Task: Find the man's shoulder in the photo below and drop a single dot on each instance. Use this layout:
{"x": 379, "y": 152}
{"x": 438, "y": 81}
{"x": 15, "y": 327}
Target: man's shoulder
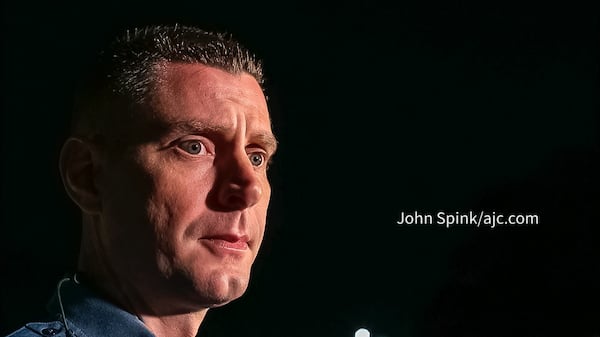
{"x": 52, "y": 328}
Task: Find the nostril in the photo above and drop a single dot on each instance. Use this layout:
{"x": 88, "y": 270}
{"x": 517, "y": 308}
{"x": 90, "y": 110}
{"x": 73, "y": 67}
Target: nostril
{"x": 241, "y": 197}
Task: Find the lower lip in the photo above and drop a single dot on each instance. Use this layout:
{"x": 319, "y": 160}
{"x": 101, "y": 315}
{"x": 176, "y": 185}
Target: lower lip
{"x": 237, "y": 246}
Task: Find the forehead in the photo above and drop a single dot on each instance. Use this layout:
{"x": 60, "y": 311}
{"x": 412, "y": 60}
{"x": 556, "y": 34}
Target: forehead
{"x": 197, "y": 89}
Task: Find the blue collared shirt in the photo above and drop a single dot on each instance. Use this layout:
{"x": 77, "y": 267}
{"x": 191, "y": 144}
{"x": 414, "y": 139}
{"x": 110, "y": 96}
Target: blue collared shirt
{"x": 86, "y": 315}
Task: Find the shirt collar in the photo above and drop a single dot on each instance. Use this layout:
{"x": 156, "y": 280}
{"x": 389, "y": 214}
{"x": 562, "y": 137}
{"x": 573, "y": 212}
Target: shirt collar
{"x": 89, "y": 315}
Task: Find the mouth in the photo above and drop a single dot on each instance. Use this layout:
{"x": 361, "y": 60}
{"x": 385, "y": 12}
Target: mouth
{"x": 228, "y": 242}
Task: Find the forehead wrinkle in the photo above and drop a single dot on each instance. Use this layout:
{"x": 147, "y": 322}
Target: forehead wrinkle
{"x": 196, "y": 81}
{"x": 222, "y": 97}
{"x": 213, "y": 103}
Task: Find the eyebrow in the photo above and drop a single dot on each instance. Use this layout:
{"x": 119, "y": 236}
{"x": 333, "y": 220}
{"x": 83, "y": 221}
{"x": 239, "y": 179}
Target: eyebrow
{"x": 265, "y": 139}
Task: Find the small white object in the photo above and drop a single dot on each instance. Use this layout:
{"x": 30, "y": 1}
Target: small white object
{"x": 362, "y": 332}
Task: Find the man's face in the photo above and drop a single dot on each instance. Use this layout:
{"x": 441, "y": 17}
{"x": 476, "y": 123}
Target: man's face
{"x": 184, "y": 207}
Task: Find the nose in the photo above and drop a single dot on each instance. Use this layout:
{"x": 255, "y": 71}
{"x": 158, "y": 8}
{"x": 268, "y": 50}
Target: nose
{"x": 240, "y": 185}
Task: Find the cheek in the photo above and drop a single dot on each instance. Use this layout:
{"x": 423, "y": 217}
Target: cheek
{"x": 124, "y": 194}
{"x": 174, "y": 203}
{"x": 179, "y": 194}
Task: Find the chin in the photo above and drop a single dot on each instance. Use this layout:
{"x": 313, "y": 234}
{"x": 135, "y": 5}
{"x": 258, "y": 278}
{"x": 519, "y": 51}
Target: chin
{"x": 220, "y": 289}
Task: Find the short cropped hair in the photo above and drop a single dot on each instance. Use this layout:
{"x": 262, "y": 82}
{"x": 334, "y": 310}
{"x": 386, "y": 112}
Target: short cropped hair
{"x": 120, "y": 81}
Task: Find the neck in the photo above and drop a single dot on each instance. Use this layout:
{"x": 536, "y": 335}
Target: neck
{"x": 181, "y": 325}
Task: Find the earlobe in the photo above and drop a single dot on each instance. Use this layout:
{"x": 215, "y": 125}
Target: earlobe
{"x": 78, "y": 169}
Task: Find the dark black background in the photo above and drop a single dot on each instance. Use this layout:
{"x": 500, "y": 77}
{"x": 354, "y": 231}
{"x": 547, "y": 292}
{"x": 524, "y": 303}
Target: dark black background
{"x": 379, "y": 109}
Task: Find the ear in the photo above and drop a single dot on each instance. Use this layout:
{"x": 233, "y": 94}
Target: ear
{"x": 79, "y": 167}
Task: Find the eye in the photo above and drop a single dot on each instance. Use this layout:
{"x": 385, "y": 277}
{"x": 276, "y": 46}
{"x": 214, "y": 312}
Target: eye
{"x": 256, "y": 158}
{"x": 192, "y": 147}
